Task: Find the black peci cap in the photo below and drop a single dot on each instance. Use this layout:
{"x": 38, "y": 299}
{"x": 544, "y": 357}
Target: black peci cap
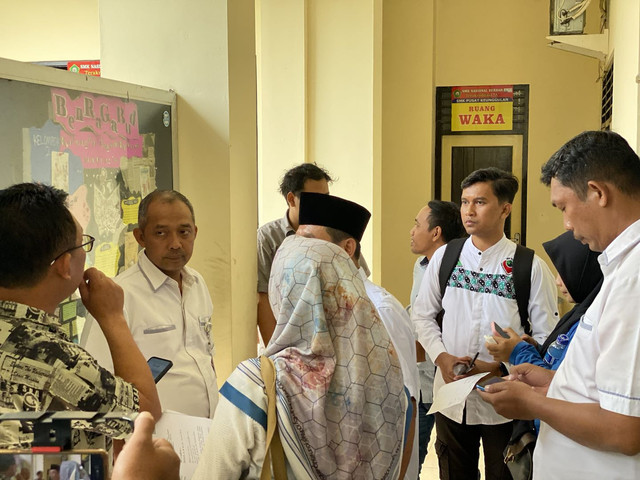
{"x": 334, "y": 212}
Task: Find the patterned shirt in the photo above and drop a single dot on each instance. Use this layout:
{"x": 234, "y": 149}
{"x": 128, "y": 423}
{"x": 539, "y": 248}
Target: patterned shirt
{"x": 40, "y": 369}
{"x": 479, "y": 291}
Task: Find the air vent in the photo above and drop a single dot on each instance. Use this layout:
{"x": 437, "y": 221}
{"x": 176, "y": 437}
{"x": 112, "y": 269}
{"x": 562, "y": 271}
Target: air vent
{"x": 607, "y": 98}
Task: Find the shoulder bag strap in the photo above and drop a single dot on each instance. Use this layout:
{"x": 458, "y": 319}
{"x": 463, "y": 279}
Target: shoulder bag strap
{"x": 273, "y": 447}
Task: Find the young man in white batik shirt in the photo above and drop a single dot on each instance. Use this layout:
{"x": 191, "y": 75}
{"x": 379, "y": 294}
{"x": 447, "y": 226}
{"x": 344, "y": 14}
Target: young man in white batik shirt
{"x": 479, "y": 291}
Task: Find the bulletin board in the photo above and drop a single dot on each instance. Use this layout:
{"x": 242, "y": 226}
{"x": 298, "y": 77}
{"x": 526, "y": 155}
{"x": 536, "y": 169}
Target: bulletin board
{"x": 106, "y": 143}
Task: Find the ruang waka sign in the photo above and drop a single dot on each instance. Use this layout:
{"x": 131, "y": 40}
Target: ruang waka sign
{"x": 482, "y": 108}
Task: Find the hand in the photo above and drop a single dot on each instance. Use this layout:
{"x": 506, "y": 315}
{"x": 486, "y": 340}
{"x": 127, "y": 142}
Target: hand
{"x": 530, "y": 340}
{"x": 512, "y": 399}
{"x": 482, "y": 367}
{"x": 537, "y": 377}
{"x": 445, "y": 363}
{"x": 101, "y": 295}
{"x": 501, "y": 350}
{"x": 144, "y": 458}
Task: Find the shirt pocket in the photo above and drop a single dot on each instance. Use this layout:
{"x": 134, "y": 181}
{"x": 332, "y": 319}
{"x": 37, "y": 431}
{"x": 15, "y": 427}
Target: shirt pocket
{"x": 585, "y": 327}
{"x": 155, "y": 329}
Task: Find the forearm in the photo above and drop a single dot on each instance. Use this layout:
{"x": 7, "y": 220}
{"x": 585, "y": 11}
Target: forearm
{"x": 590, "y": 425}
{"x": 266, "y": 319}
{"x": 130, "y": 365}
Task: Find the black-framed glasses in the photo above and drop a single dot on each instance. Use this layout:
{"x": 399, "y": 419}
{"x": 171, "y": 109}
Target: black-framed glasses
{"x": 86, "y": 245}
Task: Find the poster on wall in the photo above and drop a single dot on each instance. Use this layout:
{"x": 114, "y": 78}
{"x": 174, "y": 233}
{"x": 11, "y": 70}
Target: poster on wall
{"x": 94, "y": 147}
{"x": 482, "y": 108}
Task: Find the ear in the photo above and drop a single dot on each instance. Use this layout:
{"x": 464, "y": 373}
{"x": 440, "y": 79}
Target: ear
{"x": 62, "y": 266}
{"x": 291, "y": 199}
{"x": 599, "y": 192}
{"x": 195, "y": 231}
{"x": 139, "y": 236}
{"x": 349, "y": 245}
{"x": 437, "y": 233}
{"x": 506, "y": 209}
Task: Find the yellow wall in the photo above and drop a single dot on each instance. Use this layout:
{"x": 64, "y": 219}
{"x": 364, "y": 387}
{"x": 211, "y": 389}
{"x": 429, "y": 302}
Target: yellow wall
{"x": 42, "y": 30}
{"x": 207, "y": 54}
{"x": 316, "y": 96}
{"x": 624, "y": 46}
{"x": 406, "y": 180}
{"x": 281, "y": 66}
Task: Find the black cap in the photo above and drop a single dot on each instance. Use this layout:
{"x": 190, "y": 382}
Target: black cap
{"x": 334, "y": 212}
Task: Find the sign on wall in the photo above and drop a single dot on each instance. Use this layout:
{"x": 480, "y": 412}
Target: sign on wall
{"x": 482, "y": 108}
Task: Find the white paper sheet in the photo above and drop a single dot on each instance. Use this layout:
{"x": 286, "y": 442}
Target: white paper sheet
{"x": 187, "y": 434}
{"x": 454, "y": 393}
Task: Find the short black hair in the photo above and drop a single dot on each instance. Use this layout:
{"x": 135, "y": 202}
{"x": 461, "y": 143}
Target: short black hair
{"x": 168, "y": 196}
{"x": 35, "y": 227}
{"x": 446, "y": 215}
{"x": 293, "y": 180}
{"x": 504, "y": 184}
{"x": 594, "y": 155}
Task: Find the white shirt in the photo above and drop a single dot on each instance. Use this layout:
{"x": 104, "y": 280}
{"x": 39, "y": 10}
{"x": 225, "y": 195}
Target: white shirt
{"x": 167, "y": 324}
{"x": 601, "y": 366}
{"x": 426, "y": 369}
{"x": 400, "y": 330}
{"x": 483, "y": 293}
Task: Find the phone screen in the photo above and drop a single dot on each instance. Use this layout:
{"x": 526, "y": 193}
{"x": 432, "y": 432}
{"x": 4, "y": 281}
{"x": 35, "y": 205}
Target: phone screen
{"x": 499, "y": 330}
{"x": 159, "y": 366}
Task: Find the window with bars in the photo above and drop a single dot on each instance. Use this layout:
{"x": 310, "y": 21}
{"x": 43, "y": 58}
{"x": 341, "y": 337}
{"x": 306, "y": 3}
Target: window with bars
{"x": 607, "y": 98}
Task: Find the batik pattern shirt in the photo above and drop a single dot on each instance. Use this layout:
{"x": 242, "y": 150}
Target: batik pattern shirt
{"x": 40, "y": 370}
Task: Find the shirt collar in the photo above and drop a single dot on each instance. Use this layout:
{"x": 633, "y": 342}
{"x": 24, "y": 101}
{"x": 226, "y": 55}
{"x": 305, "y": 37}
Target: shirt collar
{"x": 621, "y": 244}
{"x": 25, "y": 312}
{"x": 157, "y": 278}
{"x": 496, "y": 246}
{"x": 286, "y": 225}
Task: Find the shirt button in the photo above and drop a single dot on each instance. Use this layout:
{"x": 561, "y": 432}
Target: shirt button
{"x": 479, "y": 253}
{"x": 481, "y": 269}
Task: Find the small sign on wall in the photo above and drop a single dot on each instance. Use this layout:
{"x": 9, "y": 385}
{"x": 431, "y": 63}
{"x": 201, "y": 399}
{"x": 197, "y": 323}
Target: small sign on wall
{"x": 86, "y": 67}
{"x": 482, "y": 108}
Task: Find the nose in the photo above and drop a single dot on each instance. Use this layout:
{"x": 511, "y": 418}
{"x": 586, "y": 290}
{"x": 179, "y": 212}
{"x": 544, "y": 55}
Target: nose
{"x": 567, "y": 225}
{"x": 469, "y": 210}
{"x": 412, "y": 230}
{"x": 558, "y": 281}
{"x": 174, "y": 241}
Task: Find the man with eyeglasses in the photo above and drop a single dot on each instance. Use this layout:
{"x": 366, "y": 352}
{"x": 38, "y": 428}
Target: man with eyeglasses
{"x": 42, "y": 263}
{"x": 168, "y": 306}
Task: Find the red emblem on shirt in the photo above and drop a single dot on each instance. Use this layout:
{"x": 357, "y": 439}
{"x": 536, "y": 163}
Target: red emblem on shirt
{"x": 507, "y": 265}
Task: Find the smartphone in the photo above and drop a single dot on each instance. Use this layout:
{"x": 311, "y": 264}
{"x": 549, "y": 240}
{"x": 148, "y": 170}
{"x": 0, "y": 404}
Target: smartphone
{"x": 497, "y": 329}
{"x": 483, "y": 383}
{"x": 159, "y": 367}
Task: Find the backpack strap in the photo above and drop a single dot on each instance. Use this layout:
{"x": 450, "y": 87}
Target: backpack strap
{"x": 449, "y": 261}
{"x": 522, "y": 263}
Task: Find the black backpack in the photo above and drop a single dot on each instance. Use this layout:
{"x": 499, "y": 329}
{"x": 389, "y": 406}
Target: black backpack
{"x": 522, "y": 262}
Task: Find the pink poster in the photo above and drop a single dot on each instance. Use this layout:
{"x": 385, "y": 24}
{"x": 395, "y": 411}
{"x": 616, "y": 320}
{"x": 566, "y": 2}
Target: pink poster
{"x": 100, "y": 130}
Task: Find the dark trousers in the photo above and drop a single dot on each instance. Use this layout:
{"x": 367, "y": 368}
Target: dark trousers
{"x": 458, "y": 445}
{"x": 425, "y": 425}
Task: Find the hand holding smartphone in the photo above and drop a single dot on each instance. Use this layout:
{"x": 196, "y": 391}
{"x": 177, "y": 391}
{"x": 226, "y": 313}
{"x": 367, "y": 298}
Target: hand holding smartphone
{"x": 498, "y": 331}
{"x": 159, "y": 367}
{"x": 483, "y": 383}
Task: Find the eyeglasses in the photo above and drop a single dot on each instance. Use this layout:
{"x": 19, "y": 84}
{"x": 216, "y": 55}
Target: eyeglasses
{"x": 86, "y": 245}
